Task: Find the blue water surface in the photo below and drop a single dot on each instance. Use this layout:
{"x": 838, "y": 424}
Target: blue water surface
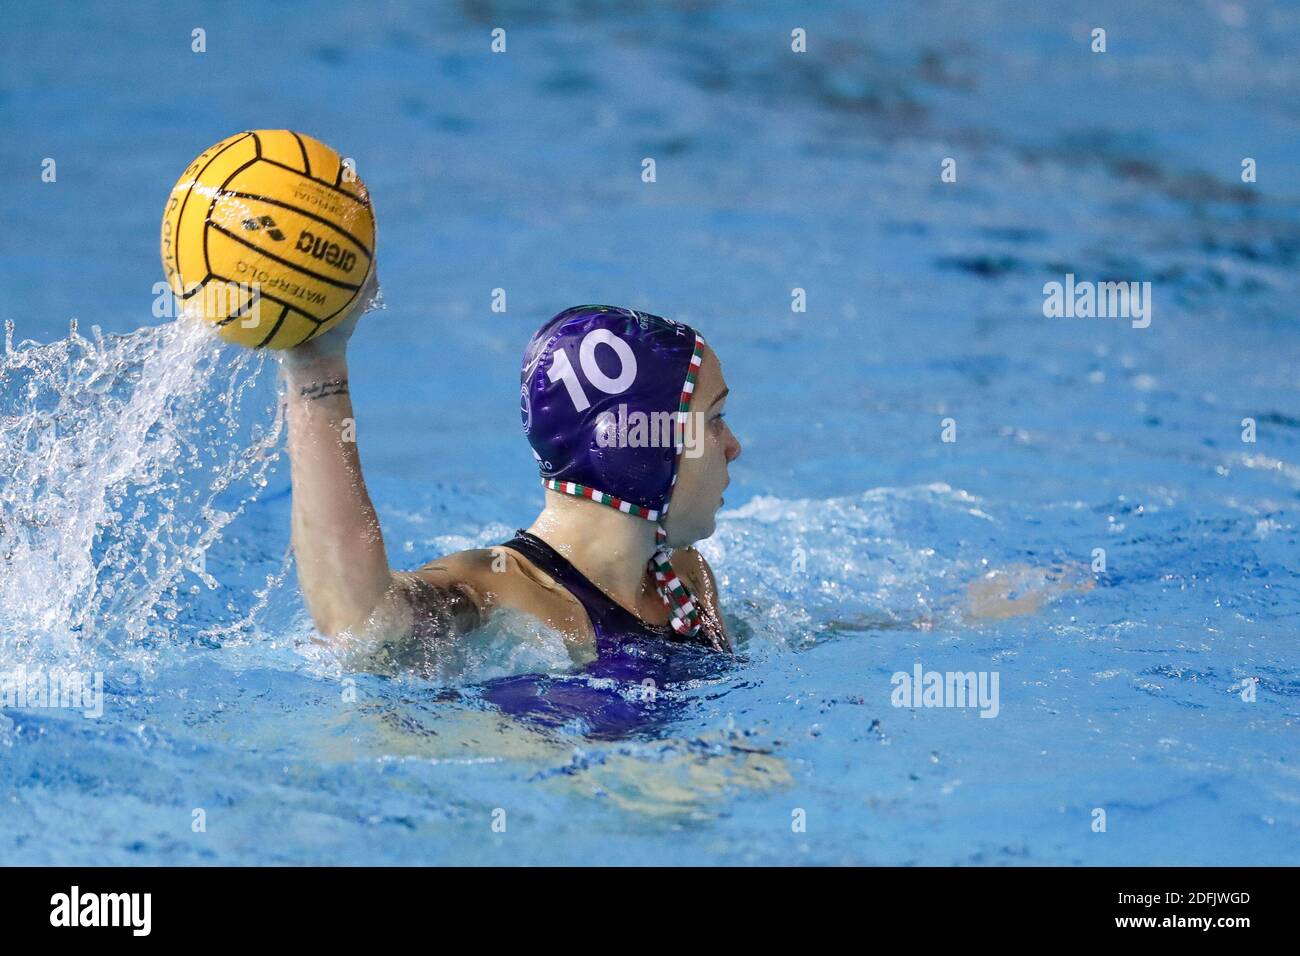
{"x": 145, "y": 520}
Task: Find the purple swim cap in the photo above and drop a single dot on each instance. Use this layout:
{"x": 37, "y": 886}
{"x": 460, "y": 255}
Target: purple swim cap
{"x": 593, "y": 376}
{"x": 603, "y": 392}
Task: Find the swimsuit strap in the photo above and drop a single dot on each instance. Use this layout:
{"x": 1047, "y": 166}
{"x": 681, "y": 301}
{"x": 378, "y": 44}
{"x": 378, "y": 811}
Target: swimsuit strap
{"x": 609, "y": 619}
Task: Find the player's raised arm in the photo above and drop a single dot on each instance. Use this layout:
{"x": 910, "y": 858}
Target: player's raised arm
{"x": 337, "y": 543}
{"x": 342, "y": 566}
{"x": 270, "y": 236}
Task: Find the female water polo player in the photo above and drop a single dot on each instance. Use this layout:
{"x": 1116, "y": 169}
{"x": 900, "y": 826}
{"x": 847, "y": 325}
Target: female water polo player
{"x": 608, "y": 562}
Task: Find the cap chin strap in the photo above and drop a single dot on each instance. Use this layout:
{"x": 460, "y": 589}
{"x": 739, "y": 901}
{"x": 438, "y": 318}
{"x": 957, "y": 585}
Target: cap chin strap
{"x": 683, "y": 612}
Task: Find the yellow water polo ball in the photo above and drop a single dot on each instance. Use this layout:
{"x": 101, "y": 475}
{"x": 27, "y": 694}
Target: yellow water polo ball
{"x": 270, "y": 236}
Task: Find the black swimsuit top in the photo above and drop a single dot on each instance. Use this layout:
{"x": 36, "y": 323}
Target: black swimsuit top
{"x": 628, "y": 651}
{"x": 614, "y": 624}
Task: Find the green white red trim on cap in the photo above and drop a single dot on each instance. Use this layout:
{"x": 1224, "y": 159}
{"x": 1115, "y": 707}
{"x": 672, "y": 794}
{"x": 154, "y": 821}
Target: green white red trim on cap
{"x": 583, "y": 491}
{"x": 688, "y": 387}
{"x": 683, "y": 612}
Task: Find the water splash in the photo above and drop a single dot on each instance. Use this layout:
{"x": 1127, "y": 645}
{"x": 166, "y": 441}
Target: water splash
{"x": 793, "y": 571}
{"x": 123, "y": 458}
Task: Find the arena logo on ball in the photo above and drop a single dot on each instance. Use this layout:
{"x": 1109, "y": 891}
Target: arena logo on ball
{"x": 328, "y": 252}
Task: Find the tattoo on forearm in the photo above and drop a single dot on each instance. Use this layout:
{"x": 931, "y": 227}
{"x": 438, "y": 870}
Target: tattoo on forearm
{"x": 324, "y": 389}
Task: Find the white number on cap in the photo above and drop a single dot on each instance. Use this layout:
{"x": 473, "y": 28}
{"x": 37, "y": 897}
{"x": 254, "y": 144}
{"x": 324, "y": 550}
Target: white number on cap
{"x": 562, "y": 371}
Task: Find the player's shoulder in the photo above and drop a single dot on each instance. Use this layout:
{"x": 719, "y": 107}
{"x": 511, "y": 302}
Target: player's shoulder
{"x": 493, "y": 571}
{"x": 472, "y": 561}
{"x": 474, "y": 566}
{"x": 500, "y": 577}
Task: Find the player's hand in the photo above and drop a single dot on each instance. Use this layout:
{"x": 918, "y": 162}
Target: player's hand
{"x": 334, "y": 343}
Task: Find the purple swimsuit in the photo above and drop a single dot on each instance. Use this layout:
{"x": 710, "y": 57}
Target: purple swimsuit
{"x": 642, "y": 660}
{"x": 614, "y": 624}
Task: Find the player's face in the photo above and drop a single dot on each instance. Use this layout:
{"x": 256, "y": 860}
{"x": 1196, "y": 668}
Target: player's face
{"x": 703, "y": 472}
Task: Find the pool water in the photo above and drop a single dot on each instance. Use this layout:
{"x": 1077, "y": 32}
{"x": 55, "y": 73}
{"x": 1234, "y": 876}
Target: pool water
{"x": 144, "y": 497}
